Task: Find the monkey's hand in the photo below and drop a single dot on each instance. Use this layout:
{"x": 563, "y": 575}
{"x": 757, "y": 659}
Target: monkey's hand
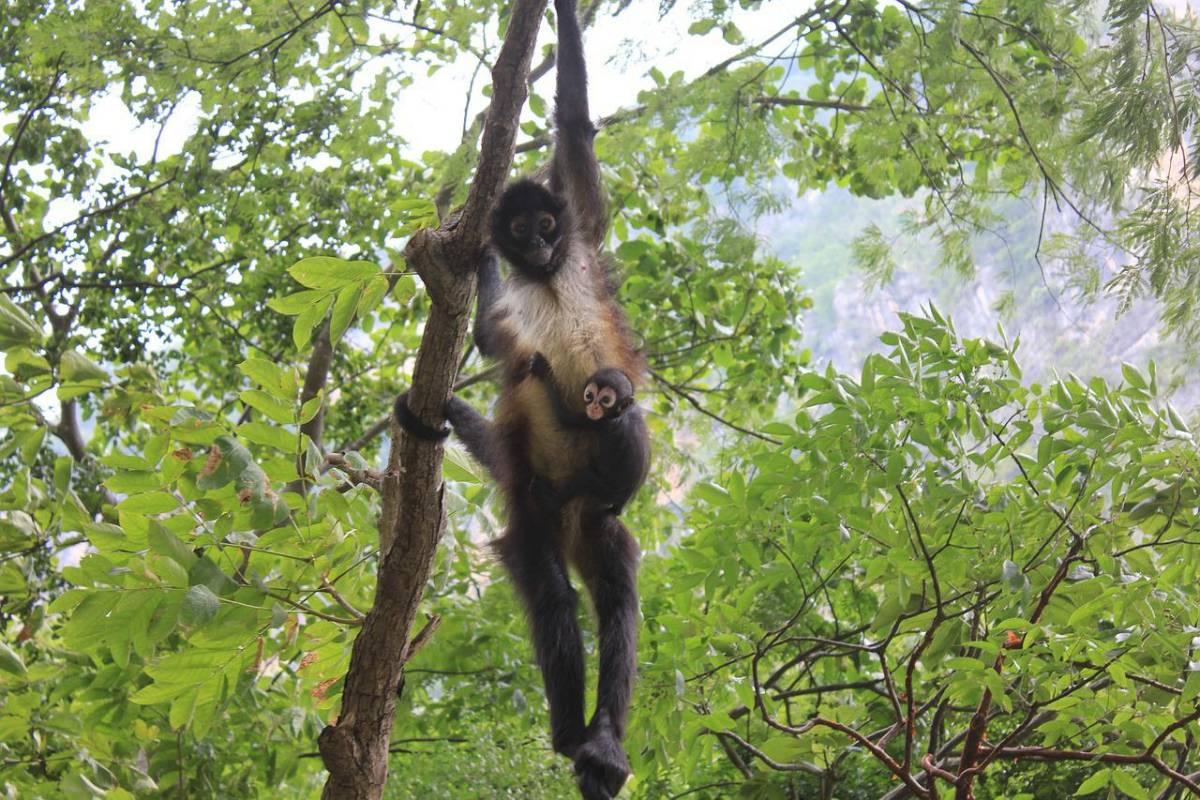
{"x": 413, "y": 424}
{"x": 538, "y": 366}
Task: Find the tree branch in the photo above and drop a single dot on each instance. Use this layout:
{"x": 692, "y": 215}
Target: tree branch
{"x": 354, "y": 748}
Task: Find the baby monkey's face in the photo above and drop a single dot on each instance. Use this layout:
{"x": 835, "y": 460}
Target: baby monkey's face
{"x": 607, "y": 394}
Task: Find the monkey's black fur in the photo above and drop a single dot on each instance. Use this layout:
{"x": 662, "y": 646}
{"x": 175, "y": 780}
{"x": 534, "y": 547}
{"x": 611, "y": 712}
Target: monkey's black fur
{"x": 618, "y": 455}
{"x": 516, "y": 232}
{"x": 413, "y": 424}
{"x": 531, "y": 551}
{"x": 564, "y": 306}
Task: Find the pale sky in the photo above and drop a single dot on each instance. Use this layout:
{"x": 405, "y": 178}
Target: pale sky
{"x": 620, "y": 52}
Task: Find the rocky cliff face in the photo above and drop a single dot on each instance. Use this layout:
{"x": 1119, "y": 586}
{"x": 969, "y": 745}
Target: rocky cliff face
{"x": 1058, "y": 330}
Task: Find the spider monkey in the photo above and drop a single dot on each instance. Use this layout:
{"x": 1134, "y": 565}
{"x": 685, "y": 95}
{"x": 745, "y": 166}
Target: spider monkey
{"x": 559, "y": 301}
{"x": 612, "y": 432}
{"x": 619, "y": 457}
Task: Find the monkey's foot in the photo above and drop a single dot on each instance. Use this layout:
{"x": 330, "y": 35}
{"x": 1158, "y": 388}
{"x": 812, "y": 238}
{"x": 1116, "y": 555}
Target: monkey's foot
{"x": 601, "y": 766}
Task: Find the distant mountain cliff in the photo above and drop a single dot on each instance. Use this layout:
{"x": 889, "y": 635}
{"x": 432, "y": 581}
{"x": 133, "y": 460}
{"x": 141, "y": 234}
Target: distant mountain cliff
{"x": 1057, "y": 331}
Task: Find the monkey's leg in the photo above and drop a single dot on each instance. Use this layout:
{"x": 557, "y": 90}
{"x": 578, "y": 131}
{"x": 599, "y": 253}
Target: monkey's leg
{"x": 609, "y": 557}
{"x": 529, "y": 551}
{"x": 476, "y": 432}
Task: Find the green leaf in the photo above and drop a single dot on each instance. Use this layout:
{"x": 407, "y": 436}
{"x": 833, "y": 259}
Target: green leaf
{"x": 271, "y": 406}
{"x": 302, "y": 328}
{"x": 205, "y": 573}
{"x": 1124, "y": 781}
{"x": 343, "y": 310}
{"x": 148, "y": 503}
{"x": 126, "y": 482}
{"x": 373, "y": 292}
{"x": 62, "y": 474}
{"x": 1176, "y": 421}
{"x": 165, "y": 543}
{"x": 326, "y": 272}
{"x": 457, "y": 466}
{"x": 299, "y": 302}
{"x": 711, "y": 493}
{"x": 76, "y": 367}
{"x": 10, "y": 662}
{"x": 200, "y": 605}
{"x": 1132, "y": 376}
{"x": 310, "y": 408}
{"x": 1095, "y": 783}
{"x": 30, "y": 442}
{"x": 16, "y": 327}
{"x": 277, "y": 380}
{"x": 26, "y": 365}
{"x": 783, "y": 749}
{"x": 268, "y": 435}
{"x": 1191, "y": 687}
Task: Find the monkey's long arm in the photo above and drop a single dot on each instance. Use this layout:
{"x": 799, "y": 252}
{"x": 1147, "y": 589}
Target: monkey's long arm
{"x": 487, "y": 335}
{"x": 539, "y": 367}
{"x": 575, "y": 173}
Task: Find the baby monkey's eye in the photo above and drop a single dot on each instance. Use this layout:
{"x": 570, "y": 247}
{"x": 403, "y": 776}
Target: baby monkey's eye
{"x": 519, "y": 228}
{"x": 546, "y": 224}
{"x": 589, "y": 394}
{"x": 607, "y": 397}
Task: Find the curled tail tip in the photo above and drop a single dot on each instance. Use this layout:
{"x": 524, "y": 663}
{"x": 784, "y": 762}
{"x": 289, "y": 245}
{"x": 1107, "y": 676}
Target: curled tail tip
{"x": 412, "y": 424}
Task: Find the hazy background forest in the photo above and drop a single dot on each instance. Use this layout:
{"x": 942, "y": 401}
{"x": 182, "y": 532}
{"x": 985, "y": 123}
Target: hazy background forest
{"x": 917, "y": 283}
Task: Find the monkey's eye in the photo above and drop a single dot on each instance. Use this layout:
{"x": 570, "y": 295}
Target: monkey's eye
{"x": 607, "y": 397}
{"x": 519, "y": 228}
{"x": 589, "y": 394}
{"x": 546, "y": 224}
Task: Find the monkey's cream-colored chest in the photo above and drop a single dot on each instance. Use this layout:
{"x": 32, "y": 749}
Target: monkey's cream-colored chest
{"x": 565, "y": 324}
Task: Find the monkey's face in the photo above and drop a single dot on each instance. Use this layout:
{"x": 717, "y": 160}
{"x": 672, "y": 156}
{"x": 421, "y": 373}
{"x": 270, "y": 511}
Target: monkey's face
{"x": 607, "y": 394}
{"x": 527, "y": 225}
{"x": 534, "y": 233}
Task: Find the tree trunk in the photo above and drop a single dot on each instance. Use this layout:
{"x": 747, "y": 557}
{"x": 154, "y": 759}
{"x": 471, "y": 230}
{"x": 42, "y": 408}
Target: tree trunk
{"x": 355, "y": 747}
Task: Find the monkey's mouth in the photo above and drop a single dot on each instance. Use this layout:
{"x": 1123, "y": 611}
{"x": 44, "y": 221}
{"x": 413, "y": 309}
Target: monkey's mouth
{"x": 594, "y": 412}
{"x": 540, "y": 256}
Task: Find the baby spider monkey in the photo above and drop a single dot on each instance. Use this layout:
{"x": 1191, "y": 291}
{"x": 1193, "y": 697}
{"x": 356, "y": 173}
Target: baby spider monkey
{"x": 617, "y": 444}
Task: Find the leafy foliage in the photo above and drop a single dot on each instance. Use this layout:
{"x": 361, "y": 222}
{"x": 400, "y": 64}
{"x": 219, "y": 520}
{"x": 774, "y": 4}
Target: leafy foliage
{"x": 200, "y": 343}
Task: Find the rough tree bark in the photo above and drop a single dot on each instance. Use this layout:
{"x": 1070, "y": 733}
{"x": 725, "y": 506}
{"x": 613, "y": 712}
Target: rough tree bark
{"x": 355, "y": 747}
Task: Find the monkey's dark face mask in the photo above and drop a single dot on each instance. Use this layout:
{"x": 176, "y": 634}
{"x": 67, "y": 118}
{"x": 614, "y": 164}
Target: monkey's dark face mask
{"x": 528, "y": 224}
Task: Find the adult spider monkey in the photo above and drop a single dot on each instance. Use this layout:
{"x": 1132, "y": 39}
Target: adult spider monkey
{"x": 559, "y": 302}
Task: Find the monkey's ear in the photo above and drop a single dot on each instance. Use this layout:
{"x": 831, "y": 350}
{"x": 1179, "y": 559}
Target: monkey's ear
{"x": 624, "y": 403}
